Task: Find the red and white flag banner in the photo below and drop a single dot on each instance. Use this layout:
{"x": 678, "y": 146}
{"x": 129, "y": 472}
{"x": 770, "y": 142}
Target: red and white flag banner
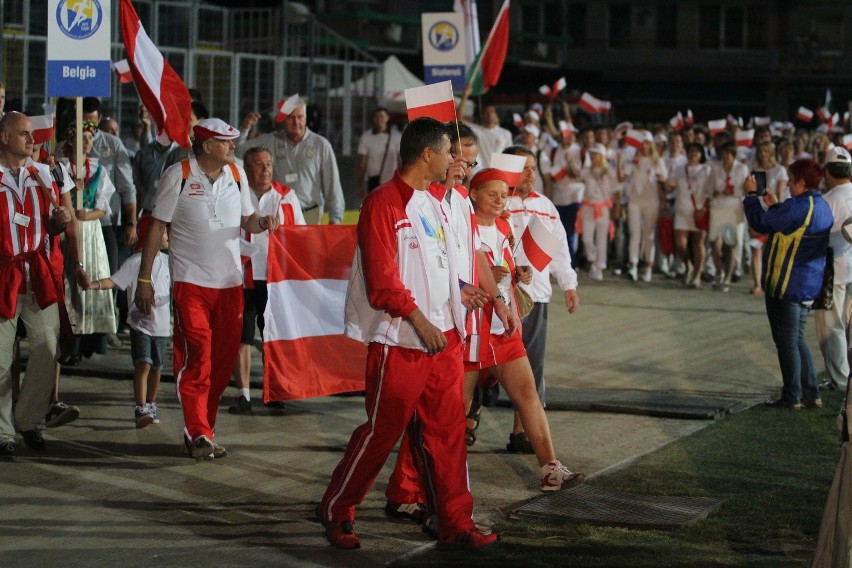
{"x": 306, "y": 353}
{"x": 634, "y": 138}
{"x": 690, "y": 120}
{"x": 676, "y": 122}
{"x": 43, "y": 125}
{"x": 161, "y": 89}
{"x": 435, "y": 101}
{"x": 122, "y": 69}
{"x": 590, "y": 104}
{"x": 545, "y": 90}
{"x": 823, "y": 113}
{"x": 715, "y": 126}
{"x": 804, "y": 114}
{"x": 834, "y": 120}
{"x": 847, "y": 141}
{"x": 510, "y": 165}
{"x": 744, "y": 137}
{"x": 286, "y": 107}
{"x": 517, "y": 120}
{"x": 566, "y": 128}
{"x": 762, "y": 120}
{"x": 538, "y": 245}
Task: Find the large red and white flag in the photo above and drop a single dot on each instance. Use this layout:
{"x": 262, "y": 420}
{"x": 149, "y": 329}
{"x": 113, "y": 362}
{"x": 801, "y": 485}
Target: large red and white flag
{"x": 717, "y": 125}
{"x": 804, "y": 114}
{"x": 538, "y": 244}
{"x": 590, "y": 104}
{"x": 161, "y": 89}
{"x": 43, "y": 125}
{"x": 306, "y": 353}
{"x": 744, "y": 137}
{"x": 511, "y": 166}
{"x": 122, "y": 70}
{"x": 286, "y": 107}
{"x": 435, "y": 101}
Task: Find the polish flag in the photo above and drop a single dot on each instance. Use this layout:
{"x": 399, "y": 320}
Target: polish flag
{"x": 734, "y": 120}
{"x": 435, "y": 101}
{"x": 286, "y": 107}
{"x": 834, "y": 120}
{"x": 43, "y": 124}
{"x": 544, "y": 90}
{"x": 557, "y": 88}
{"x": 634, "y": 138}
{"x": 306, "y": 353}
{"x": 847, "y": 141}
{"x": 538, "y": 245}
{"x": 690, "y": 120}
{"x": 804, "y": 114}
{"x": 590, "y": 104}
{"x": 676, "y": 122}
{"x": 604, "y": 106}
{"x": 762, "y": 120}
{"x": 517, "y": 120}
{"x": 823, "y": 113}
{"x": 744, "y": 137}
{"x": 717, "y": 125}
{"x": 122, "y": 69}
{"x": 161, "y": 89}
{"x": 510, "y": 165}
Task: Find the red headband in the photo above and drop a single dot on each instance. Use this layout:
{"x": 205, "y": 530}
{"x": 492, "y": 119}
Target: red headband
{"x": 489, "y": 174}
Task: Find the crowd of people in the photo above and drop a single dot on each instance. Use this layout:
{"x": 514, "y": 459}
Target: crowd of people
{"x": 447, "y": 303}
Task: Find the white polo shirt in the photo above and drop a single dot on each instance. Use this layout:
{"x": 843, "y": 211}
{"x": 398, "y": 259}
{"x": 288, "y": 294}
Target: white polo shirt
{"x": 205, "y": 224}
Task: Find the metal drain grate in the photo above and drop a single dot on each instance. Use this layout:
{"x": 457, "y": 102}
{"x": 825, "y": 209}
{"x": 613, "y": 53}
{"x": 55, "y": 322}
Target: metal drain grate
{"x": 593, "y": 505}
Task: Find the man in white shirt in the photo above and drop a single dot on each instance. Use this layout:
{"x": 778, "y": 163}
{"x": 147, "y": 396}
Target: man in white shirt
{"x": 832, "y": 325}
{"x": 205, "y": 201}
{"x": 378, "y": 153}
{"x": 268, "y": 197}
{"x": 305, "y": 161}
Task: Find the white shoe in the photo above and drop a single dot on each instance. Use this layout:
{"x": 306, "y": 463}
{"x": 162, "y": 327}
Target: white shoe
{"x": 633, "y": 273}
{"x": 596, "y": 274}
{"x": 687, "y": 280}
{"x": 646, "y": 274}
{"x": 555, "y": 476}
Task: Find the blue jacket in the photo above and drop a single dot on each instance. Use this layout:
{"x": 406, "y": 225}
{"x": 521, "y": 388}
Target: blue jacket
{"x": 794, "y": 257}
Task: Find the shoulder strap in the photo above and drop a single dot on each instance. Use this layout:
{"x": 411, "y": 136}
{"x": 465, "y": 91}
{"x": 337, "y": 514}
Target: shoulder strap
{"x": 236, "y": 172}
{"x": 185, "y": 171}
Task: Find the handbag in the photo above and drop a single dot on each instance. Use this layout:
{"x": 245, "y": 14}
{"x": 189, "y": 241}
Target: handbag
{"x": 700, "y": 216}
{"x": 524, "y": 302}
{"x": 825, "y": 298}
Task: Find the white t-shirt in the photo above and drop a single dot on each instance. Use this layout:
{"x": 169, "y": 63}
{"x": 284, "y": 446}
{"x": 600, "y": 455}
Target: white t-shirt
{"x": 839, "y": 200}
{"x": 491, "y": 140}
{"x": 373, "y": 146}
{"x": 438, "y": 265}
{"x": 728, "y": 187}
{"x": 493, "y": 239}
{"x": 271, "y": 203}
{"x": 157, "y": 324}
{"x": 205, "y": 225}
{"x": 643, "y": 177}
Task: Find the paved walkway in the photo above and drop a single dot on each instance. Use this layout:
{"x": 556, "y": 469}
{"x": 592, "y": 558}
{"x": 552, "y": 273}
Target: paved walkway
{"x": 106, "y": 494}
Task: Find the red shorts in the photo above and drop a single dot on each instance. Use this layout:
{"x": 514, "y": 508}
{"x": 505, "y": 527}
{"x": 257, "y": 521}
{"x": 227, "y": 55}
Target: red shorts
{"x": 499, "y": 350}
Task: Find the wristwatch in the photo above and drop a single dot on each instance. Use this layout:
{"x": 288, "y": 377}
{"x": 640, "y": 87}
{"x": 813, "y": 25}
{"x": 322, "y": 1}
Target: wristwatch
{"x": 500, "y": 297}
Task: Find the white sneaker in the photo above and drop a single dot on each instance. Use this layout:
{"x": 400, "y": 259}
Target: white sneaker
{"x": 687, "y": 280}
{"x": 633, "y": 273}
{"x": 646, "y": 275}
{"x": 555, "y": 476}
{"x": 596, "y": 274}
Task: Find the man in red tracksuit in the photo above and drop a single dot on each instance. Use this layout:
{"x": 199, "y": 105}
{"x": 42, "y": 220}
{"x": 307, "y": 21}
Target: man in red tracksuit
{"x": 405, "y": 302}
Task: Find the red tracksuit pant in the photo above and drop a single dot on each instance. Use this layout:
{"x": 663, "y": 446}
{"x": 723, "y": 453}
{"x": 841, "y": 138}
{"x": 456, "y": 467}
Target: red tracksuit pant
{"x": 409, "y": 388}
{"x": 208, "y": 324}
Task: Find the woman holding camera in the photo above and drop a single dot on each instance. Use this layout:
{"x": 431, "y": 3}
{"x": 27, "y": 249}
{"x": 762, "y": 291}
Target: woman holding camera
{"x": 797, "y": 231}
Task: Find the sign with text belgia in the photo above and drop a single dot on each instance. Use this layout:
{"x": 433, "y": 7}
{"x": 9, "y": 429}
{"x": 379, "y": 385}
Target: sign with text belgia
{"x": 78, "y": 48}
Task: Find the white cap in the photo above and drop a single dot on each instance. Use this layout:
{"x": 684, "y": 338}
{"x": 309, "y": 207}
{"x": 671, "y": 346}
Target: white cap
{"x": 532, "y": 129}
{"x": 838, "y": 155}
{"x": 598, "y": 149}
{"x": 538, "y": 108}
{"x": 533, "y": 114}
{"x": 625, "y": 126}
{"x": 214, "y": 128}
{"x": 647, "y": 136}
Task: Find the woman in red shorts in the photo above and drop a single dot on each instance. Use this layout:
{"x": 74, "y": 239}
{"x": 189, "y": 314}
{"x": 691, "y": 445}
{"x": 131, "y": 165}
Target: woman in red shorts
{"x": 504, "y": 356}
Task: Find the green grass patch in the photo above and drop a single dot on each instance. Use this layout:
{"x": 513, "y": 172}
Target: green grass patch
{"x": 773, "y": 468}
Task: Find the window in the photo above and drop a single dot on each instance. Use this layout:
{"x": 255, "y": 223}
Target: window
{"x": 826, "y": 33}
{"x": 619, "y": 25}
{"x": 667, "y": 27}
{"x": 732, "y": 27}
{"x": 576, "y": 24}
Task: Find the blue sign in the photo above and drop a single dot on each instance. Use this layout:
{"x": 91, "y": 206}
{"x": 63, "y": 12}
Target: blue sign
{"x": 78, "y": 49}
{"x": 439, "y": 73}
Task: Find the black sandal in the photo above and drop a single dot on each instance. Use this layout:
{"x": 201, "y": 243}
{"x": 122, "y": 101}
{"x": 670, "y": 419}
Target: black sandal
{"x": 474, "y": 414}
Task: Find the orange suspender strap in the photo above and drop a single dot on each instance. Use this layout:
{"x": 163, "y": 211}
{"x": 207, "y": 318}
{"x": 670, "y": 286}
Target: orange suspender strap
{"x": 184, "y": 166}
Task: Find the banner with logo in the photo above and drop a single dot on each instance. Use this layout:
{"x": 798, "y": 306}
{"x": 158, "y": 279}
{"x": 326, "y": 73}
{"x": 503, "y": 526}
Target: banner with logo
{"x": 78, "y": 48}
{"x": 444, "y": 55}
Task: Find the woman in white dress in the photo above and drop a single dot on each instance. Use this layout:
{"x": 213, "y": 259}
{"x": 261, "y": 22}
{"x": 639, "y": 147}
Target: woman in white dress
{"x": 601, "y": 192}
{"x": 92, "y": 313}
{"x": 727, "y": 220}
{"x": 689, "y": 182}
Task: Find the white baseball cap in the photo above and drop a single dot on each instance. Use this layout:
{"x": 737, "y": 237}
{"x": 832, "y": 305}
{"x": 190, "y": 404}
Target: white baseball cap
{"x": 214, "y": 128}
{"x": 838, "y": 155}
{"x": 532, "y": 129}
